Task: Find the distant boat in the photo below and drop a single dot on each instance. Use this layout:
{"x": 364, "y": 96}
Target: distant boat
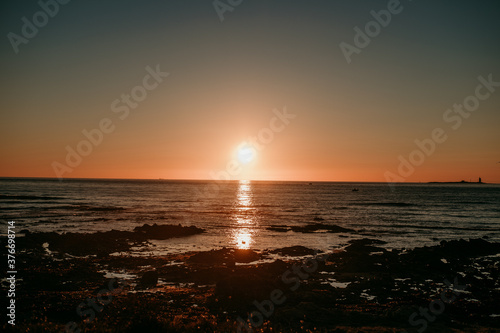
{"x": 310, "y": 183}
{"x": 355, "y": 189}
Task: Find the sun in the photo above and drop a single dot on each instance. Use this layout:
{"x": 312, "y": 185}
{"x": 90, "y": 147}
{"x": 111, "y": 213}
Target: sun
{"x": 246, "y": 153}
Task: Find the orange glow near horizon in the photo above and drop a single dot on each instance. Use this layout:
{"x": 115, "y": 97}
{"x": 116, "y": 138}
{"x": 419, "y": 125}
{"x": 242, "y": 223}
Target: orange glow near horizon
{"x": 226, "y": 84}
{"x": 294, "y": 154}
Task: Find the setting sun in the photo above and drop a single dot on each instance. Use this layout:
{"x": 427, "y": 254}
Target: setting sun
{"x": 246, "y": 153}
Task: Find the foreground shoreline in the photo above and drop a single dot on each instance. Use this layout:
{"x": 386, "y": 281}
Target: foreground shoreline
{"x": 453, "y": 286}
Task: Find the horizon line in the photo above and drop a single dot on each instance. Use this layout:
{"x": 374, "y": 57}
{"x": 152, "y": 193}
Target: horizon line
{"x": 251, "y": 180}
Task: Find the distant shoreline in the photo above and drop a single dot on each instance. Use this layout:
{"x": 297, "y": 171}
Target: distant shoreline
{"x": 460, "y": 182}
{"x": 236, "y": 180}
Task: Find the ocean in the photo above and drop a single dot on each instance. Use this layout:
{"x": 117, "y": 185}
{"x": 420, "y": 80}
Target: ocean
{"x": 238, "y": 213}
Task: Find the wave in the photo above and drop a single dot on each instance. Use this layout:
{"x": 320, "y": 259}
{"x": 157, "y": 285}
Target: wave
{"x": 406, "y": 226}
{"x": 94, "y": 208}
{"x": 28, "y": 197}
{"x": 473, "y": 203}
{"x": 339, "y": 207}
{"x": 388, "y": 204}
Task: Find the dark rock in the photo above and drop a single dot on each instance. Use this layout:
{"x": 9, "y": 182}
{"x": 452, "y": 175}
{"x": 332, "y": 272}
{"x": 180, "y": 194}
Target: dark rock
{"x": 277, "y": 267}
{"x": 289, "y": 315}
{"x": 166, "y": 231}
{"x": 25, "y": 232}
{"x": 366, "y": 241}
{"x": 472, "y": 247}
{"x": 362, "y": 247}
{"x": 224, "y": 256}
{"x": 148, "y": 280}
{"x": 279, "y": 228}
{"x": 243, "y": 287}
{"x": 245, "y": 256}
{"x": 104, "y": 243}
{"x": 294, "y": 251}
{"x": 310, "y": 228}
{"x": 320, "y": 226}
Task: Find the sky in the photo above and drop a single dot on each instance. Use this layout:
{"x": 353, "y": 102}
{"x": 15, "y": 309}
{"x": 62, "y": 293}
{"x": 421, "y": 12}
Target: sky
{"x": 266, "y": 90}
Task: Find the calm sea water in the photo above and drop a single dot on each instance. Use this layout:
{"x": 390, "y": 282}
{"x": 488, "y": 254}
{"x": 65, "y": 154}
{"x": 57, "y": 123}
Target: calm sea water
{"x": 237, "y": 213}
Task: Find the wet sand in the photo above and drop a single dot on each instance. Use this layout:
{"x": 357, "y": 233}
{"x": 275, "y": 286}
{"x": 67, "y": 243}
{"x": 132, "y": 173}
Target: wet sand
{"x": 451, "y": 287}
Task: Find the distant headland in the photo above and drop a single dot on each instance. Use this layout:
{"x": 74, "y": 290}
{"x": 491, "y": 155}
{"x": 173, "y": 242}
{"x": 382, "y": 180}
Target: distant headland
{"x": 460, "y": 182}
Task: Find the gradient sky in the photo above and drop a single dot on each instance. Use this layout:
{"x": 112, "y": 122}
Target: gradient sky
{"x": 352, "y": 121}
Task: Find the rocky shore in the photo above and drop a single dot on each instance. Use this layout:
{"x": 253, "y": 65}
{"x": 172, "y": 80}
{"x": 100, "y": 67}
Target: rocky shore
{"x": 70, "y": 282}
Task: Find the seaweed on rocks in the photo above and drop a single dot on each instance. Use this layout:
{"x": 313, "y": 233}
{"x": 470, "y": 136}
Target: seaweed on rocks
{"x": 359, "y": 288}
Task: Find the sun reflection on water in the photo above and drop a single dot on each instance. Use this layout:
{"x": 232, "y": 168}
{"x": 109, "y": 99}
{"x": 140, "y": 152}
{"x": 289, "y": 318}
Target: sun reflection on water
{"x": 243, "y": 238}
{"x": 244, "y": 227}
{"x": 244, "y": 195}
